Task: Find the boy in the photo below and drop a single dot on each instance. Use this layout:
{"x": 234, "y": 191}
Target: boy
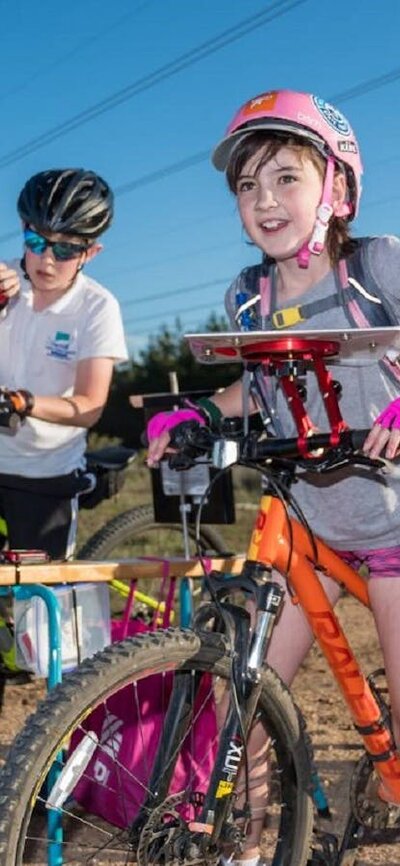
{"x": 61, "y": 334}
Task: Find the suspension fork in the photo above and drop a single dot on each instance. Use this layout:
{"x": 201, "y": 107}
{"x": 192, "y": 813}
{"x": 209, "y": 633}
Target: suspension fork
{"x": 248, "y": 656}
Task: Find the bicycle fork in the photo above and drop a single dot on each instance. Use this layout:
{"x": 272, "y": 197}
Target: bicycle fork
{"x": 248, "y": 656}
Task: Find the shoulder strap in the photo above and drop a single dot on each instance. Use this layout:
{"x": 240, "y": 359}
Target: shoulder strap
{"x": 369, "y": 306}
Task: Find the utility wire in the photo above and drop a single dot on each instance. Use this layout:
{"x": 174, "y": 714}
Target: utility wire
{"x": 232, "y": 34}
{"x": 80, "y": 47}
{"x": 194, "y": 288}
{"x": 174, "y": 313}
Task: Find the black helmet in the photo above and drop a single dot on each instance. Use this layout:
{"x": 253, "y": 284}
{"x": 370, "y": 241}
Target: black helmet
{"x": 68, "y": 201}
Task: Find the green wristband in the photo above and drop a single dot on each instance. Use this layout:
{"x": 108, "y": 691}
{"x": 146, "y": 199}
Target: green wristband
{"x": 210, "y": 409}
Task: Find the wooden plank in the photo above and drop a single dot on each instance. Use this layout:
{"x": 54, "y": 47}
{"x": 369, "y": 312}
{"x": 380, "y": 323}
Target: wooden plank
{"x": 79, "y": 571}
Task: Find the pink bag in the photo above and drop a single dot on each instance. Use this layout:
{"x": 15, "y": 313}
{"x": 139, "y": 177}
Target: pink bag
{"x": 115, "y": 782}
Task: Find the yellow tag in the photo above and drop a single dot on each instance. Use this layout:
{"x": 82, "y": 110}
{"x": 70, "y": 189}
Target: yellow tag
{"x": 224, "y": 789}
{"x": 287, "y": 318}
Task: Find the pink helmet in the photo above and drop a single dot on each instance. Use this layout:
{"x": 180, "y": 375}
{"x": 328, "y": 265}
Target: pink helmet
{"x": 304, "y": 115}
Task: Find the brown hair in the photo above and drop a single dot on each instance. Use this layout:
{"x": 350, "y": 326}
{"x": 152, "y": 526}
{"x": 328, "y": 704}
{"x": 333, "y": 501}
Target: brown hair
{"x": 338, "y": 241}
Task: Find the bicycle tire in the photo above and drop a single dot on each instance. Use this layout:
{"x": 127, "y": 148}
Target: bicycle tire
{"x": 66, "y": 706}
{"x": 136, "y": 522}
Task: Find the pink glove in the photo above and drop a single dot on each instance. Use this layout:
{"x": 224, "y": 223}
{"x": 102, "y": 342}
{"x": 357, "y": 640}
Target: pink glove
{"x": 390, "y": 417}
{"x": 166, "y": 420}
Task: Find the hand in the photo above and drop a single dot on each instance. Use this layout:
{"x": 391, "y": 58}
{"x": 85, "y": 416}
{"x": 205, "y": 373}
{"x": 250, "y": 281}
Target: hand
{"x": 21, "y": 402}
{"x": 9, "y": 282}
{"x": 385, "y": 434}
{"x": 158, "y": 427}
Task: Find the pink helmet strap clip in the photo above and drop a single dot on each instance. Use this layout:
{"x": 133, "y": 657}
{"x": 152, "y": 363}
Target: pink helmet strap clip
{"x": 324, "y": 212}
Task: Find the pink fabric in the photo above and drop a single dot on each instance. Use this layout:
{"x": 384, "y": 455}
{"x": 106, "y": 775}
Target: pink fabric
{"x": 129, "y": 726}
{"x": 390, "y": 417}
{"x": 382, "y": 562}
{"x": 165, "y": 421}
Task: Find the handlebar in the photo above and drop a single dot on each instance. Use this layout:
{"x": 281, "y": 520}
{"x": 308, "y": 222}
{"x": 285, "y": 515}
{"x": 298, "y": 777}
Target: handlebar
{"x": 324, "y": 451}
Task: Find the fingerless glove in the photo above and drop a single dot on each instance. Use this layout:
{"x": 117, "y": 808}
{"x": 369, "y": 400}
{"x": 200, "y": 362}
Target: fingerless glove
{"x": 390, "y": 417}
{"x": 165, "y": 421}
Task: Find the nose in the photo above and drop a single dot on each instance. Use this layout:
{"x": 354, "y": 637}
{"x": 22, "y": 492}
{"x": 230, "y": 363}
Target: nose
{"x": 266, "y": 197}
{"x": 48, "y": 254}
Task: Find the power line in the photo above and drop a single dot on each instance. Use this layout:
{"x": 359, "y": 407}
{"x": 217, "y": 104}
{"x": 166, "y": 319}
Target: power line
{"x": 367, "y": 86}
{"x": 232, "y": 34}
{"x": 89, "y": 39}
{"x": 194, "y": 288}
{"x": 174, "y": 313}
{"x": 174, "y": 168}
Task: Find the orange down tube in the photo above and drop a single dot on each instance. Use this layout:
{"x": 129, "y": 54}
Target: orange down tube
{"x": 270, "y": 544}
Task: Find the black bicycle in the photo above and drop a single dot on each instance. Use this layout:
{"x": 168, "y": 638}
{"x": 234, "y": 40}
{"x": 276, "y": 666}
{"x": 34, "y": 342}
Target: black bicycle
{"x": 185, "y": 795}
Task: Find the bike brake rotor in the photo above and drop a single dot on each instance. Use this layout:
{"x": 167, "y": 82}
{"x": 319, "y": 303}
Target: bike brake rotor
{"x": 368, "y": 808}
{"x": 166, "y": 841}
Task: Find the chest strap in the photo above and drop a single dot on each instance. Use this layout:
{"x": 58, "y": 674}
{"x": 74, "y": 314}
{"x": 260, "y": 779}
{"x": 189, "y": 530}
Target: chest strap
{"x": 290, "y": 316}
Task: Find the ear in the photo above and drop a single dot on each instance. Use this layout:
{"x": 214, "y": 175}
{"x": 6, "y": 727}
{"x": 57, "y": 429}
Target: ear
{"x": 92, "y": 252}
{"x": 339, "y": 194}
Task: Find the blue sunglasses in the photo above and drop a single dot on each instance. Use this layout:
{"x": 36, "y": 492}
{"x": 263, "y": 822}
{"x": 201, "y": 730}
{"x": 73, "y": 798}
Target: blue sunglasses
{"x": 62, "y": 251}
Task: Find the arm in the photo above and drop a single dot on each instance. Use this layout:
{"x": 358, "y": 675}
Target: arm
{"x": 84, "y": 407}
{"x": 229, "y": 402}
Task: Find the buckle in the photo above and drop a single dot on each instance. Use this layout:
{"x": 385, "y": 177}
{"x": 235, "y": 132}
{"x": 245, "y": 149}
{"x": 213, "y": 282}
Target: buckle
{"x": 287, "y": 318}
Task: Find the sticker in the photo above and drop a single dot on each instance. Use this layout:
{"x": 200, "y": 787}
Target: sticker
{"x": 347, "y": 147}
{"x": 224, "y": 789}
{"x": 264, "y": 102}
{"x": 333, "y": 117}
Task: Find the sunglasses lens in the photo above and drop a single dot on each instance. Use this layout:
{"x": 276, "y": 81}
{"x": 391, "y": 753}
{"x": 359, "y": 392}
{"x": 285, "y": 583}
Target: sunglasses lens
{"x": 35, "y": 242}
{"x": 64, "y": 251}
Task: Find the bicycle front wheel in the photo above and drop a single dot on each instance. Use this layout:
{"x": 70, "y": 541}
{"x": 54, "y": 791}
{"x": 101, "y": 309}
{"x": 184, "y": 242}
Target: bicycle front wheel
{"x": 143, "y": 668}
{"x": 135, "y": 533}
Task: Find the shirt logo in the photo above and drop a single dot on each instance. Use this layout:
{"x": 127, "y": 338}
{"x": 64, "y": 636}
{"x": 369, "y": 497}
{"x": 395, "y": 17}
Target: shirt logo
{"x": 60, "y": 346}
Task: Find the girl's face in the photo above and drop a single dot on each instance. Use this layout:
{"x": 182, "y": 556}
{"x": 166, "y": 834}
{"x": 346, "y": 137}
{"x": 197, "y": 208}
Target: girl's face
{"x": 278, "y": 200}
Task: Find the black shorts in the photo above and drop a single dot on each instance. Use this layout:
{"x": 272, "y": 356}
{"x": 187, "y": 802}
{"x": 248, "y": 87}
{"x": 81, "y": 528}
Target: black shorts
{"x": 41, "y": 513}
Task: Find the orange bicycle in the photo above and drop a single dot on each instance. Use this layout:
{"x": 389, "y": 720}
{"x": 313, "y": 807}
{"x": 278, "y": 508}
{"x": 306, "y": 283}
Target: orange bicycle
{"x": 193, "y": 819}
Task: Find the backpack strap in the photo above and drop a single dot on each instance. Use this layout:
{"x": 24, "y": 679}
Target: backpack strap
{"x": 369, "y": 306}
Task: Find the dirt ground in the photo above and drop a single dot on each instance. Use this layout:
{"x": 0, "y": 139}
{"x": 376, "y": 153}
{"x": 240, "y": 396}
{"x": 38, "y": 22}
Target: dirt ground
{"x": 336, "y": 743}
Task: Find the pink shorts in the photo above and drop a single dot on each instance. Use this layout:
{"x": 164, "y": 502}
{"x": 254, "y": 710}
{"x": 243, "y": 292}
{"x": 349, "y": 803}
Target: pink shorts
{"x": 383, "y": 562}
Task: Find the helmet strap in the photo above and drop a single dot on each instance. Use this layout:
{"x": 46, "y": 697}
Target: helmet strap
{"x": 324, "y": 213}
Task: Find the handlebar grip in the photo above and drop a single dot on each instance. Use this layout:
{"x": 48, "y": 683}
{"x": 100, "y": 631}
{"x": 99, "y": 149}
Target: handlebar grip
{"x": 358, "y": 438}
{"x": 290, "y": 447}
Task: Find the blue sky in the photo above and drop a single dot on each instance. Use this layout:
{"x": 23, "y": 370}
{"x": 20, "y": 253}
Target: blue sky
{"x": 179, "y": 70}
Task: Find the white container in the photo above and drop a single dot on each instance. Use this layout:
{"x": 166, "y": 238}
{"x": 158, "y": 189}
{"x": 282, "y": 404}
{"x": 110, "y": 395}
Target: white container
{"x": 85, "y": 626}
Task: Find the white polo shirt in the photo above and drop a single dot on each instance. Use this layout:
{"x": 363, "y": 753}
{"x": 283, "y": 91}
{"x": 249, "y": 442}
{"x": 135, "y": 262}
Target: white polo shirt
{"x": 40, "y": 351}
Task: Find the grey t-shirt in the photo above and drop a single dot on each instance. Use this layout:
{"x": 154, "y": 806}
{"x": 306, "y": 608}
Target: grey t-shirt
{"x": 350, "y": 508}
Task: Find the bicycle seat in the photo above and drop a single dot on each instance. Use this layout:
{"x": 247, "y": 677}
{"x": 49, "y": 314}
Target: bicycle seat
{"x": 111, "y": 457}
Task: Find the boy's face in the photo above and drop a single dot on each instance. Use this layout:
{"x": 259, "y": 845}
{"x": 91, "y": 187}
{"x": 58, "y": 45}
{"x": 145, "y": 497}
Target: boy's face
{"x": 47, "y": 271}
{"x": 278, "y": 201}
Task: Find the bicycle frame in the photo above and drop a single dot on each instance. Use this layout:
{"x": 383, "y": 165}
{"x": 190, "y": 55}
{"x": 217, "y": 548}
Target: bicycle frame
{"x": 289, "y": 551}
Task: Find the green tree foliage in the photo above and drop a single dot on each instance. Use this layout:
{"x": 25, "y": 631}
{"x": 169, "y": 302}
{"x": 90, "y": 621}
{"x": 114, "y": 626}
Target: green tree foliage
{"x": 167, "y": 351}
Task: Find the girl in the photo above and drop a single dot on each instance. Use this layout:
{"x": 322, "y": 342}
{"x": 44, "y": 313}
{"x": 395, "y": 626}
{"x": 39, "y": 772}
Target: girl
{"x": 293, "y": 163}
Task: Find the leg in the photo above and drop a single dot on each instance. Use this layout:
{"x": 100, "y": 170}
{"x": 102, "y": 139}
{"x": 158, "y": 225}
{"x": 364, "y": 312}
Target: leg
{"x": 384, "y": 595}
{"x": 290, "y": 643}
{"x": 39, "y": 521}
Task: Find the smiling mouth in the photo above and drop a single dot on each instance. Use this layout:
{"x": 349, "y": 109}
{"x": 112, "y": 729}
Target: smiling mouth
{"x": 273, "y": 225}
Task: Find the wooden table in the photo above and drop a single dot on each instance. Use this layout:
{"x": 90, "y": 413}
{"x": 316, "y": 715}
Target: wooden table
{"x": 79, "y": 571}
